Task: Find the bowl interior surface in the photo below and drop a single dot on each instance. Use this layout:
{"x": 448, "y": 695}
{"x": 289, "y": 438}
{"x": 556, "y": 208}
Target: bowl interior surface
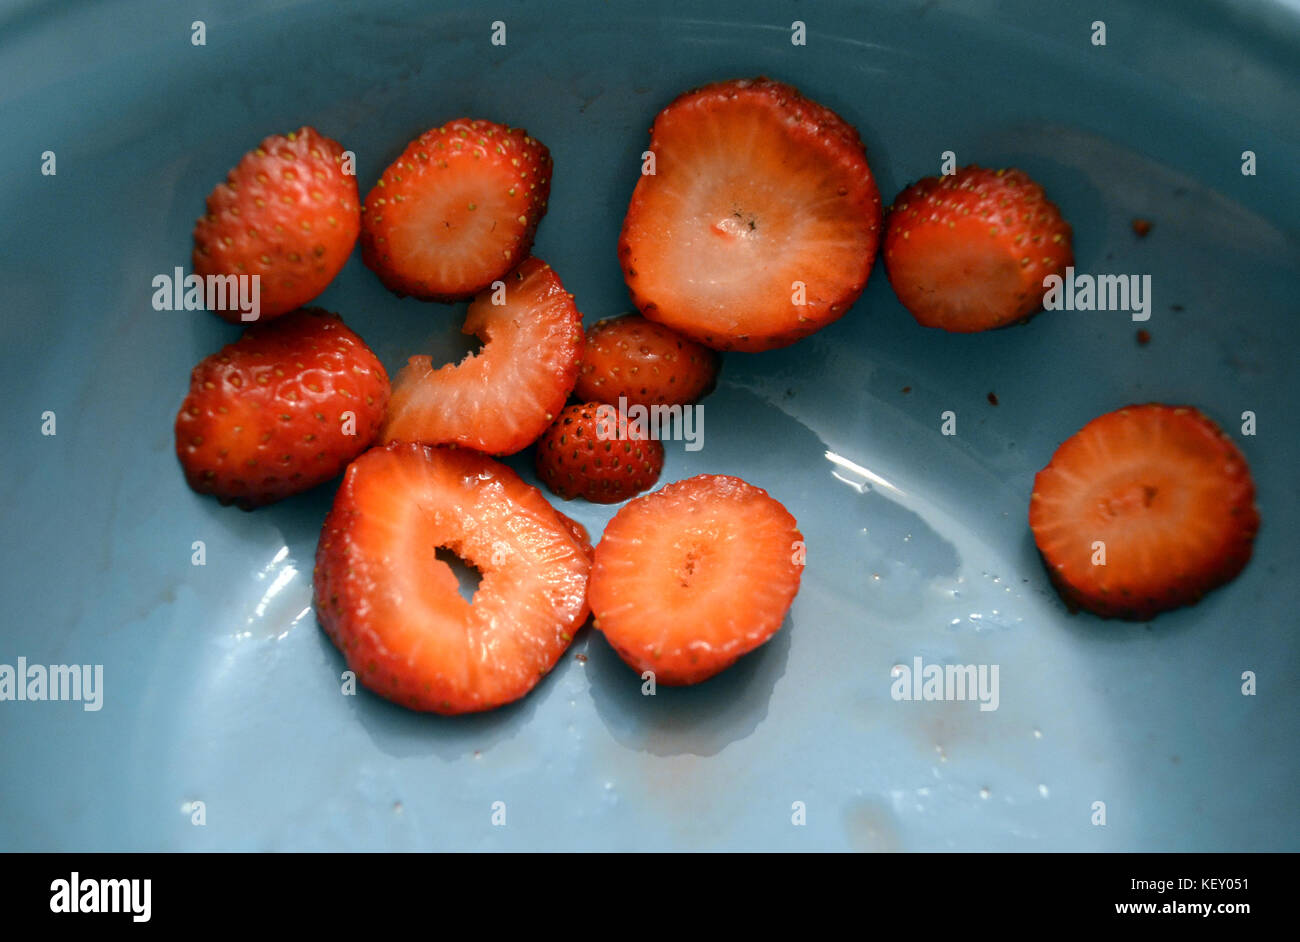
{"x": 218, "y": 685}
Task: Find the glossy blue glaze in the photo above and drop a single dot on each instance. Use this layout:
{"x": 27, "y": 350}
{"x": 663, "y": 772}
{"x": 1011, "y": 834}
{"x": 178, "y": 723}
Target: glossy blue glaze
{"x": 220, "y": 687}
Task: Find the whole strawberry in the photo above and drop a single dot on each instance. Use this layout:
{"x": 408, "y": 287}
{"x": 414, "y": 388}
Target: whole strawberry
{"x": 969, "y": 251}
{"x": 643, "y": 362}
{"x": 287, "y": 213}
{"x": 591, "y": 453}
{"x": 282, "y": 409}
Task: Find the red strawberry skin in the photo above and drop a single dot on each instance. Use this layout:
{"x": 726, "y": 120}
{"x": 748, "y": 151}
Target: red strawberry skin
{"x": 597, "y": 457}
{"x": 1167, "y": 493}
{"x": 500, "y": 399}
{"x": 756, "y": 188}
{"x": 643, "y": 362}
{"x": 395, "y": 610}
{"x": 969, "y": 251}
{"x": 457, "y": 210}
{"x": 690, "y": 578}
{"x": 267, "y": 416}
{"x": 288, "y": 213}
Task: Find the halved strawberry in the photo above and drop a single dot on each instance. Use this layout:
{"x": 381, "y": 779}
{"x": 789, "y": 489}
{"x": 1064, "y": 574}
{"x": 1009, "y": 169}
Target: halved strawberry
{"x": 691, "y": 577}
{"x": 597, "y": 457}
{"x": 760, "y": 222}
{"x": 501, "y": 398}
{"x": 969, "y": 251}
{"x": 282, "y": 409}
{"x": 645, "y": 363}
{"x": 395, "y": 610}
{"x": 287, "y": 213}
{"x": 1144, "y": 509}
{"x": 457, "y": 210}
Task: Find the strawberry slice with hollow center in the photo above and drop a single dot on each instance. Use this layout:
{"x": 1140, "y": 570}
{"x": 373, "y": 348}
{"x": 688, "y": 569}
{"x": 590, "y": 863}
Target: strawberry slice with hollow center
{"x": 503, "y": 397}
{"x": 394, "y": 608}
{"x": 1144, "y": 509}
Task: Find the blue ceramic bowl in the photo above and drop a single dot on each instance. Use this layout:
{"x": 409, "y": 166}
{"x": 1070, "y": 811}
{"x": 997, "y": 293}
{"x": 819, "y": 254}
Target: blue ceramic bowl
{"x": 218, "y": 686}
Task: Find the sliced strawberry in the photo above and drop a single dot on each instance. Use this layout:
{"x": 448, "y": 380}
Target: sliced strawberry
{"x": 501, "y": 398}
{"x": 643, "y": 362}
{"x": 760, "y": 223}
{"x": 969, "y": 251}
{"x": 287, "y": 213}
{"x": 579, "y": 533}
{"x": 1142, "y": 510}
{"x": 457, "y": 210}
{"x": 691, "y": 577}
{"x": 282, "y": 409}
{"x": 394, "y": 608}
{"x": 597, "y": 456}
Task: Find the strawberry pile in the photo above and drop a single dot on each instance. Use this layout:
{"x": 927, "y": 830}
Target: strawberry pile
{"x": 758, "y": 226}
